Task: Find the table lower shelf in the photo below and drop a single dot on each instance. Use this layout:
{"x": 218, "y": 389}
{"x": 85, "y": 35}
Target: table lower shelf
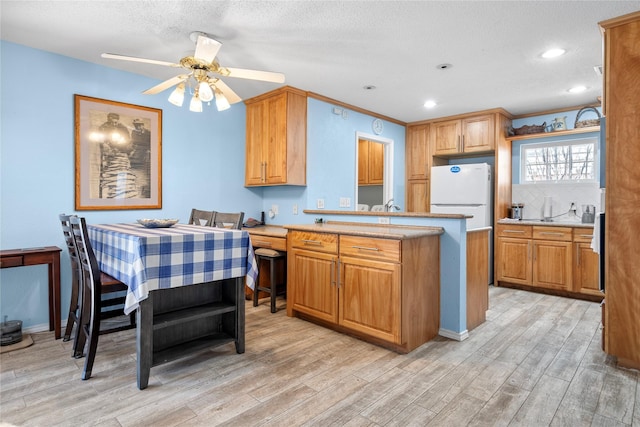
{"x": 190, "y": 347}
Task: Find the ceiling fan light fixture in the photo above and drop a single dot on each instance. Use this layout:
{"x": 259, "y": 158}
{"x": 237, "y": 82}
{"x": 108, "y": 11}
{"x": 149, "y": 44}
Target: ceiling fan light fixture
{"x": 222, "y": 103}
{"x": 177, "y": 96}
{"x": 196, "y": 104}
{"x": 205, "y": 91}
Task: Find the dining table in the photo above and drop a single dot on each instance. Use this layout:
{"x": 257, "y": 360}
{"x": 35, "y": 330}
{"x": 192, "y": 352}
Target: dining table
{"x": 185, "y": 282}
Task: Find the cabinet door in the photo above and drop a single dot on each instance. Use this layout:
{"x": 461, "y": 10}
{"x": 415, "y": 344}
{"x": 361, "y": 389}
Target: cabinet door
{"x": 586, "y": 271}
{"x": 514, "y": 260}
{"x": 255, "y": 133}
{"x": 376, "y": 163}
{"x": 478, "y": 134}
{"x": 275, "y": 153}
{"x": 552, "y": 264}
{"x": 445, "y": 137}
{"x": 417, "y": 152}
{"x": 418, "y": 195}
{"x": 312, "y": 281}
{"x": 369, "y": 295}
{"x": 363, "y": 162}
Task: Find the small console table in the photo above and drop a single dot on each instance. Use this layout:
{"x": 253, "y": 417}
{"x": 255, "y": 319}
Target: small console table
{"x": 49, "y": 255}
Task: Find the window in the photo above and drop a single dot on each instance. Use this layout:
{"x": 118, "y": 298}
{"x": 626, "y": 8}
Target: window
{"x": 567, "y": 160}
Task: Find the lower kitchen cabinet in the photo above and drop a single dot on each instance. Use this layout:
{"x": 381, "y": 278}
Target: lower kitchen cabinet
{"x": 547, "y": 257}
{"x": 384, "y": 290}
{"x": 586, "y": 264}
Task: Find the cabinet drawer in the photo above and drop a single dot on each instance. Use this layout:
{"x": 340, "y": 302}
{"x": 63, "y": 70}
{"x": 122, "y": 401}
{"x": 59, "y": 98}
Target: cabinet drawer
{"x": 582, "y": 235}
{"x": 515, "y": 231}
{"x": 369, "y": 247}
{"x": 321, "y": 242}
{"x": 563, "y": 234}
{"x": 10, "y": 261}
{"x": 277, "y": 243}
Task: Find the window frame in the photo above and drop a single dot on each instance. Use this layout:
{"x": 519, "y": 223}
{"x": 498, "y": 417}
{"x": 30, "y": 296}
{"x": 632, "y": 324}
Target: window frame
{"x": 557, "y": 143}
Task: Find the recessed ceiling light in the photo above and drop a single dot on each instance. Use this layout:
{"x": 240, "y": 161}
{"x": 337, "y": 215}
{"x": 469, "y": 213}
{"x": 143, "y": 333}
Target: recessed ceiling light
{"x": 443, "y": 66}
{"x": 369, "y": 87}
{"x": 577, "y": 89}
{"x": 553, "y": 53}
{"x": 430, "y": 103}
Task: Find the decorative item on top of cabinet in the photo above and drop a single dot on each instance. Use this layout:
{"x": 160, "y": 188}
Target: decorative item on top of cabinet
{"x": 276, "y": 138}
{"x": 474, "y": 134}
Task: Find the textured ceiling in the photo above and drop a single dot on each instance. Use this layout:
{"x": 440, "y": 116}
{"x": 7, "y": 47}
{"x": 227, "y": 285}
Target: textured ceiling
{"x": 335, "y": 48}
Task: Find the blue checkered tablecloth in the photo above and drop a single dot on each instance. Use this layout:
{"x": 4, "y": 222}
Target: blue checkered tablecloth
{"x": 146, "y": 259}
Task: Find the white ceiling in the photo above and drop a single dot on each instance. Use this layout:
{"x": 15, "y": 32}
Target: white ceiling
{"x": 335, "y": 48}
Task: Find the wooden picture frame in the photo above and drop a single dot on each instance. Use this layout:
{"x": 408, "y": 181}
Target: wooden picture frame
{"x": 118, "y": 155}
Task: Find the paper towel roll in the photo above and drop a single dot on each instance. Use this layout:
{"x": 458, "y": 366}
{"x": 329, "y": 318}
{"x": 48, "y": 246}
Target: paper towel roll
{"x": 547, "y": 208}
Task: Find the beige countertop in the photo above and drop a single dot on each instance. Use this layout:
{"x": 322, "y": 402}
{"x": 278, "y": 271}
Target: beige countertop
{"x": 400, "y": 214}
{"x": 267, "y": 230}
{"x": 555, "y": 223}
{"x": 369, "y": 230}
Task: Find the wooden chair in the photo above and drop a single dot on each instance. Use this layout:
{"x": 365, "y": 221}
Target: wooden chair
{"x": 94, "y": 284}
{"x": 200, "y": 217}
{"x": 74, "y": 304}
{"x": 228, "y": 220}
{"x": 271, "y": 256}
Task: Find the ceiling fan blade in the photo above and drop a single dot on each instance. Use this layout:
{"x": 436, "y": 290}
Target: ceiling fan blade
{"x": 266, "y": 76}
{"x": 231, "y": 96}
{"x": 136, "y": 59}
{"x": 165, "y": 85}
{"x": 206, "y": 49}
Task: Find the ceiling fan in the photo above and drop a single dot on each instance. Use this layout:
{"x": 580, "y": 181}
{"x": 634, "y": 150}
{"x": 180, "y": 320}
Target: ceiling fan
{"x": 203, "y": 75}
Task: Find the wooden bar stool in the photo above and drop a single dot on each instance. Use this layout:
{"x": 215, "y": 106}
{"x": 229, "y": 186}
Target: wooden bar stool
{"x": 271, "y": 256}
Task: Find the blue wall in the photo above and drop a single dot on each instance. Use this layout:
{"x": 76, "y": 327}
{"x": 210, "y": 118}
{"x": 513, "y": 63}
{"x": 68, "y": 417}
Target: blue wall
{"x": 203, "y": 163}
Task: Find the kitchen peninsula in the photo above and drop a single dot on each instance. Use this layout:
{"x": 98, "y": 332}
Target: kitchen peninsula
{"x": 454, "y": 298}
{"x": 378, "y": 282}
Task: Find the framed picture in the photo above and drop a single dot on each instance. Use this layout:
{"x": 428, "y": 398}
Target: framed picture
{"x": 118, "y": 155}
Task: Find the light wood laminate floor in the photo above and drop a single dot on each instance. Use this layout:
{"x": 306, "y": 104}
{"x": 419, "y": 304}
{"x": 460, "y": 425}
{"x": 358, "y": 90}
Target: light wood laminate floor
{"x": 537, "y": 361}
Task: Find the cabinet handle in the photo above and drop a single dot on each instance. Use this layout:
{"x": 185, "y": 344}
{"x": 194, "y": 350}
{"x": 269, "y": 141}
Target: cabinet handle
{"x": 578, "y": 254}
{"x": 462, "y": 143}
{"x": 587, "y": 236}
{"x": 312, "y": 242}
{"x": 338, "y": 274}
{"x": 258, "y": 242}
{"x": 263, "y": 172}
{"x": 514, "y": 231}
{"x": 550, "y": 233}
{"x": 459, "y": 143}
{"x": 332, "y": 274}
{"x": 528, "y": 250}
{"x": 364, "y": 248}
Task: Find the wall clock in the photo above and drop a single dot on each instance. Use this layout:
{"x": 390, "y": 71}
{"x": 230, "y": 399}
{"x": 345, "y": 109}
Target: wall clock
{"x": 378, "y": 126}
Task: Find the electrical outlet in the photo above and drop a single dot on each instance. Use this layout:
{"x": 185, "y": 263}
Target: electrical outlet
{"x": 320, "y": 203}
{"x": 295, "y": 209}
{"x": 383, "y": 220}
{"x": 274, "y": 208}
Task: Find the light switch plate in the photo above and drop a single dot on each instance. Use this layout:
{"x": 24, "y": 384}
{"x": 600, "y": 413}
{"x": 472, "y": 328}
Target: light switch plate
{"x": 320, "y": 203}
{"x": 295, "y": 209}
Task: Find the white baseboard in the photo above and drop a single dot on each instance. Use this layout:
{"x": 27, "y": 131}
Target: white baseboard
{"x": 458, "y": 336}
{"x": 43, "y": 327}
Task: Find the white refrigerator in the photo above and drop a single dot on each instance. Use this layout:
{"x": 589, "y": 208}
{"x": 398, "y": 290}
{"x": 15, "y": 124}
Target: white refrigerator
{"x": 463, "y": 189}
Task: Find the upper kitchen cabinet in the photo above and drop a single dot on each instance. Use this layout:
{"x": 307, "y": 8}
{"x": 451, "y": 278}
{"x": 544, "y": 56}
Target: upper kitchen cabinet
{"x": 468, "y": 135}
{"x": 370, "y": 162}
{"x": 276, "y": 147}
